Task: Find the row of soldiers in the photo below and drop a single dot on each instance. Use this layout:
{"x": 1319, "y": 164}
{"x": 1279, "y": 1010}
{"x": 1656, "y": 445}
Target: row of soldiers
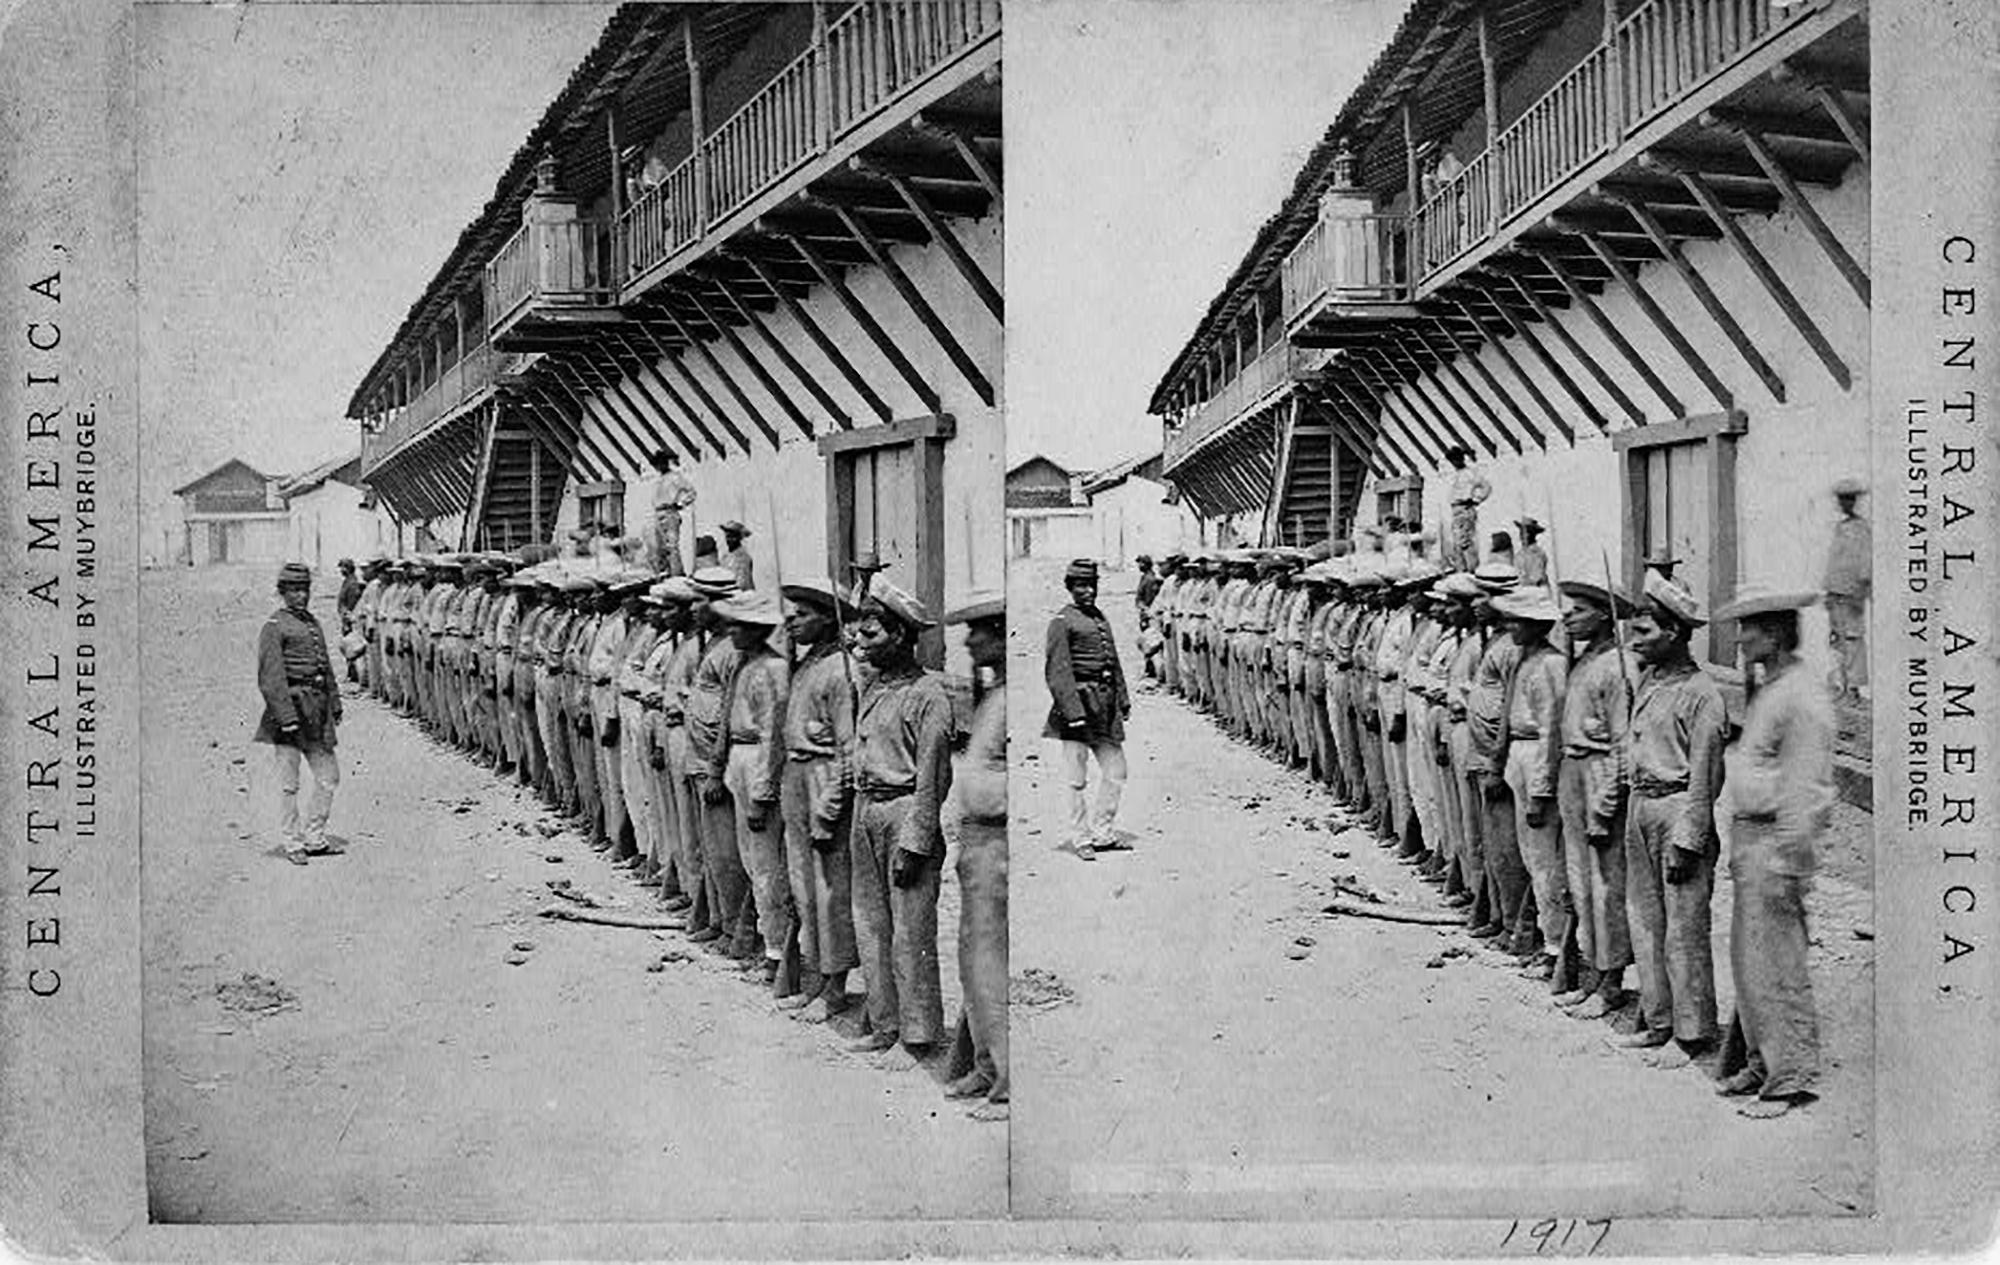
{"x": 1563, "y": 788}
{"x": 783, "y": 791}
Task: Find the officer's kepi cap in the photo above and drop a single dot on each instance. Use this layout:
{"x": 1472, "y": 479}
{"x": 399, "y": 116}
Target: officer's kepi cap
{"x": 295, "y": 575}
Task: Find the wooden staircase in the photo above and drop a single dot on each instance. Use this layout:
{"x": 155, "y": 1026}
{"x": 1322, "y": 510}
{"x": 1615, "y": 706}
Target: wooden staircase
{"x": 521, "y": 489}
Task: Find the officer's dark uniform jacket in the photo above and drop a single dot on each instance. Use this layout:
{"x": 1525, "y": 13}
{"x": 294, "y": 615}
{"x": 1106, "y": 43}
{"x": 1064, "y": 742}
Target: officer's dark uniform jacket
{"x": 296, "y": 679}
{"x": 1086, "y": 681}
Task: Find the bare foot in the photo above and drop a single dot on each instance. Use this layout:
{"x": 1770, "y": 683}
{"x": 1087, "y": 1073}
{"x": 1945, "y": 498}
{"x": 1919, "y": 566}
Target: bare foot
{"x": 989, "y": 1111}
{"x": 897, "y": 1058}
{"x": 1744, "y": 1082}
{"x": 1769, "y": 1108}
{"x": 970, "y": 1085}
{"x": 872, "y": 1043}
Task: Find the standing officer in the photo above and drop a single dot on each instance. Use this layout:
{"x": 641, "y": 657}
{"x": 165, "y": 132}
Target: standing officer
{"x": 1088, "y": 709}
{"x": 1781, "y": 792}
{"x": 301, "y": 713}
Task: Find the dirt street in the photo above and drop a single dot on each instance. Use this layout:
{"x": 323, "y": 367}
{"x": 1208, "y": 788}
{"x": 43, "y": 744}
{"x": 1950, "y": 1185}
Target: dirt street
{"x": 1230, "y": 1050}
{"x": 347, "y": 1041}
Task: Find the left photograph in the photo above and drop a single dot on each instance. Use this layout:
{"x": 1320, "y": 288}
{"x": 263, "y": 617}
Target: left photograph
{"x": 572, "y": 637}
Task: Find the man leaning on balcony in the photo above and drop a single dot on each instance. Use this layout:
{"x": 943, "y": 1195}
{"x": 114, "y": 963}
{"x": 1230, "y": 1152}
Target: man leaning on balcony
{"x": 671, "y": 494}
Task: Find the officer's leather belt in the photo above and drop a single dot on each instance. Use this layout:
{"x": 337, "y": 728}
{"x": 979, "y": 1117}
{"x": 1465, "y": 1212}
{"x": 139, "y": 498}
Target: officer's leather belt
{"x": 884, "y": 793}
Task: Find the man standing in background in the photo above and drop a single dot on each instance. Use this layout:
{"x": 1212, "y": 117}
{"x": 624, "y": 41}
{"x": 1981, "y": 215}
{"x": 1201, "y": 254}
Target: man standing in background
{"x": 301, "y": 712}
{"x": 672, "y": 494}
{"x": 1848, "y": 582}
{"x": 1088, "y": 707}
{"x": 736, "y": 557}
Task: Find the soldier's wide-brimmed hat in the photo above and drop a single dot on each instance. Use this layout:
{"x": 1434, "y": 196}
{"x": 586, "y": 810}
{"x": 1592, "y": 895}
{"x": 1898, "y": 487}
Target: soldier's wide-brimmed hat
{"x": 1849, "y": 486}
{"x": 1529, "y": 520}
{"x": 755, "y": 607}
{"x": 1080, "y": 569}
{"x": 713, "y": 582}
{"x": 1495, "y": 577}
{"x": 735, "y": 528}
{"x": 885, "y": 597}
{"x": 819, "y": 591}
{"x": 1144, "y": 560}
{"x": 1675, "y": 602}
{"x": 1759, "y": 599}
{"x": 575, "y": 582}
{"x": 1367, "y": 579}
{"x": 1458, "y": 585}
{"x": 675, "y": 588}
{"x": 1420, "y": 575}
{"x": 1596, "y": 594}
{"x": 630, "y": 582}
{"x": 978, "y": 607}
{"x": 294, "y": 575}
{"x": 1536, "y": 604}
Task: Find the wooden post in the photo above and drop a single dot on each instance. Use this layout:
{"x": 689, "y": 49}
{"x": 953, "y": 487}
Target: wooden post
{"x": 697, "y": 124}
{"x": 822, "y": 80}
{"x": 1411, "y": 176}
{"x": 1614, "y": 86}
{"x": 617, "y": 164}
{"x": 1489, "y": 68}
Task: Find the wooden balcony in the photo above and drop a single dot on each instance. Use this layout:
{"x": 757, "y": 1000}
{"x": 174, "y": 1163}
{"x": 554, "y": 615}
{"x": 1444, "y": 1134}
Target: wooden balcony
{"x": 465, "y": 382}
{"x": 1661, "y": 62}
{"x": 1666, "y": 60}
{"x": 1260, "y": 379}
{"x": 549, "y": 275}
{"x": 876, "y": 54}
{"x": 1351, "y": 261}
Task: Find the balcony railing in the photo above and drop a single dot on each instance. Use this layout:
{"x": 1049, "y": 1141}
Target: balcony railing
{"x": 874, "y": 54}
{"x": 1660, "y": 54}
{"x": 462, "y": 382}
{"x": 1259, "y": 377}
{"x": 1353, "y": 258}
{"x": 560, "y": 263}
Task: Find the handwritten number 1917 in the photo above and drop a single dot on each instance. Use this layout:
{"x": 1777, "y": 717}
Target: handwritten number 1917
{"x": 1543, "y": 1231}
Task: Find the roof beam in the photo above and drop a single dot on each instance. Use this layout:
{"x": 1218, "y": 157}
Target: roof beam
{"x": 941, "y": 233}
{"x": 1549, "y": 362}
{"x": 925, "y": 393}
{"x": 926, "y": 315}
{"x": 1471, "y": 356}
{"x": 1615, "y": 336}
{"x": 691, "y": 414}
{"x": 1584, "y": 358}
{"x": 1514, "y": 366}
{"x": 757, "y": 369}
{"x": 827, "y": 347}
{"x": 1795, "y": 198}
{"x": 1669, "y": 330}
{"x": 820, "y": 394}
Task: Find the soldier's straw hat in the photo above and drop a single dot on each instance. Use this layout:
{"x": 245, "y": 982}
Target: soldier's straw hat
{"x": 818, "y": 591}
{"x": 757, "y": 608}
{"x": 1497, "y": 576}
{"x": 1080, "y": 569}
{"x": 1758, "y": 599}
{"x": 1366, "y": 579}
{"x": 675, "y": 588}
{"x": 713, "y": 582}
{"x": 1529, "y": 520}
{"x": 574, "y": 582}
{"x": 735, "y": 528}
{"x": 1421, "y": 574}
{"x": 1672, "y": 600}
{"x": 295, "y": 575}
{"x": 978, "y": 607}
{"x": 898, "y": 603}
{"x": 1531, "y": 604}
{"x": 1458, "y": 585}
{"x": 1849, "y": 486}
{"x": 1596, "y": 594}
{"x": 630, "y": 582}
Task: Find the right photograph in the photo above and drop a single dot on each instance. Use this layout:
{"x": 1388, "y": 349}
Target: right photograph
{"x": 1439, "y": 590}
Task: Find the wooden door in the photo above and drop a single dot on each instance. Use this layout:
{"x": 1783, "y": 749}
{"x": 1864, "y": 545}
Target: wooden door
{"x": 1675, "y": 518}
{"x": 885, "y": 488}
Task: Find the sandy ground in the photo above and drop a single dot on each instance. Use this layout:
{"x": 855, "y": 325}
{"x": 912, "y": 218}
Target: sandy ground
{"x": 1202, "y": 1070}
{"x": 409, "y": 1073}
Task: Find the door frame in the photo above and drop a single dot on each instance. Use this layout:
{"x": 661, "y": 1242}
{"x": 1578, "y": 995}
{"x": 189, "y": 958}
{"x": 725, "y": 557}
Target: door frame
{"x": 1718, "y": 433}
{"x": 928, "y": 435}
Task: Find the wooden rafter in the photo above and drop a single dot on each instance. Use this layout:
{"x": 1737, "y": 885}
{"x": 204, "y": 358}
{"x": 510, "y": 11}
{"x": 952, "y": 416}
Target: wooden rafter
{"x": 1788, "y": 188}
{"x": 1427, "y": 385}
{"x": 1669, "y": 330}
{"x": 1548, "y": 361}
{"x": 926, "y": 315}
{"x": 716, "y": 412}
{"x": 722, "y": 375}
{"x": 653, "y": 408}
{"x": 861, "y": 316}
{"x": 1706, "y": 297}
{"x": 1528, "y": 384}
{"x": 941, "y": 233}
{"x": 1471, "y": 356}
{"x": 810, "y": 382}
{"x": 692, "y": 415}
{"x": 1613, "y": 335}
{"x": 1577, "y": 352}
{"x": 1774, "y": 285}
{"x": 756, "y": 367}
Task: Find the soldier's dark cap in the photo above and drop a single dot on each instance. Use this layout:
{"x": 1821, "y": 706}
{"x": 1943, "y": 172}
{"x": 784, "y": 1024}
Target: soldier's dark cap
{"x": 1081, "y": 569}
{"x": 295, "y": 575}
{"x": 345, "y": 564}
{"x": 1597, "y": 595}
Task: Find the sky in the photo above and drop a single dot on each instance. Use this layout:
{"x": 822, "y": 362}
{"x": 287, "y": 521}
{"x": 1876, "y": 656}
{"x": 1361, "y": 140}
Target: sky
{"x": 303, "y": 170}
{"x": 1146, "y": 142}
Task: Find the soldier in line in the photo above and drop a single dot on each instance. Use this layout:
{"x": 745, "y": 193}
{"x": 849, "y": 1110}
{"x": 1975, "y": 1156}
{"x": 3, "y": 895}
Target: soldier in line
{"x": 1780, "y": 794}
{"x": 1534, "y": 754}
{"x": 1088, "y": 708}
{"x": 736, "y": 557}
{"x": 1166, "y": 614}
{"x": 753, "y": 771}
{"x": 981, "y": 786}
{"x": 301, "y": 714}
{"x": 1673, "y": 755}
{"x": 818, "y": 796}
{"x": 731, "y": 905}
{"x": 902, "y": 772}
{"x": 1591, "y": 794}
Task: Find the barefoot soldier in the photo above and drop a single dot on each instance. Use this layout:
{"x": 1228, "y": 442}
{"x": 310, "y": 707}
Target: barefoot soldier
{"x": 754, "y": 771}
{"x": 301, "y": 712}
{"x": 1588, "y": 790}
{"x": 1781, "y": 794}
{"x": 707, "y": 715}
{"x": 902, "y": 772}
{"x": 818, "y": 796}
{"x": 1088, "y": 709}
{"x": 1673, "y": 763}
{"x": 1534, "y": 759}
{"x": 981, "y": 784}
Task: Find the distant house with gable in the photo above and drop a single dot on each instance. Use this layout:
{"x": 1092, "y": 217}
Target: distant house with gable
{"x": 233, "y": 514}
